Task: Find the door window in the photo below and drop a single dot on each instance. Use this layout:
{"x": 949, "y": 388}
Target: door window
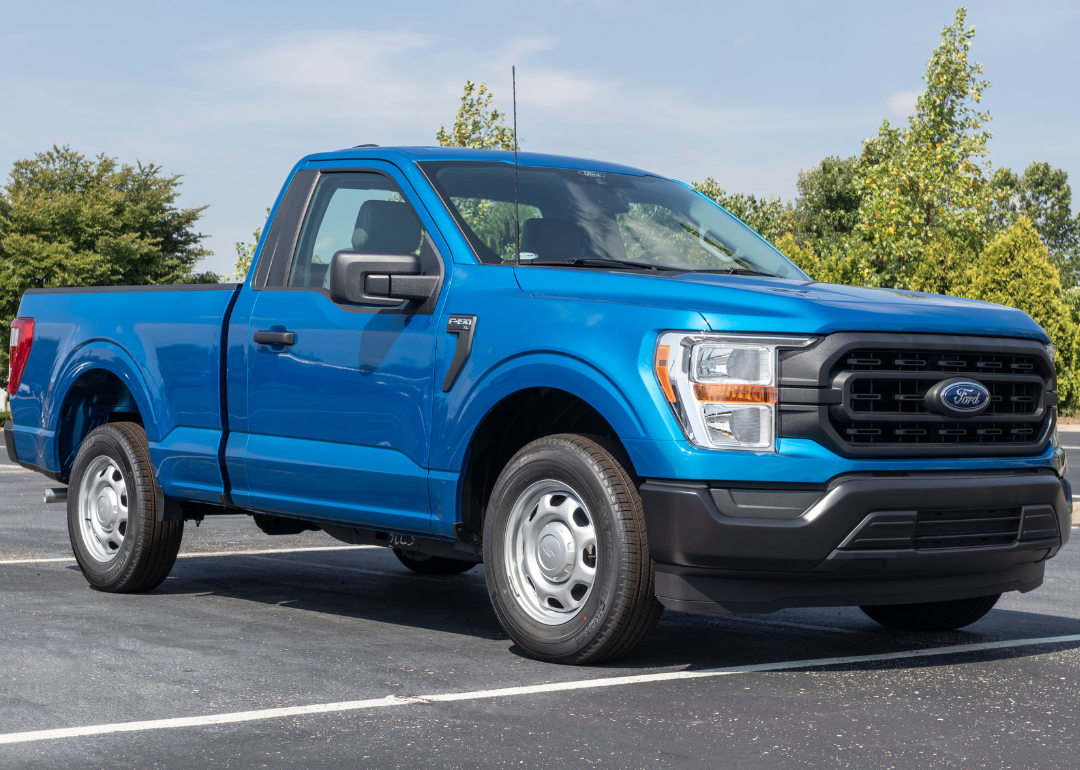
{"x": 359, "y": 212}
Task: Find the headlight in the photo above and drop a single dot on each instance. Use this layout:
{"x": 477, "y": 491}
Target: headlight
{"x": 1052, "y": 351}
{"x": 722, "y": 388}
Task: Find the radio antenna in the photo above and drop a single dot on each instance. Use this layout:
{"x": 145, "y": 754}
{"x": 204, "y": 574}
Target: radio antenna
{"x": 517, "y": 214}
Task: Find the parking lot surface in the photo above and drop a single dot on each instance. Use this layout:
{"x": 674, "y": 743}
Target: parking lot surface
{"x": 300, "y": 651}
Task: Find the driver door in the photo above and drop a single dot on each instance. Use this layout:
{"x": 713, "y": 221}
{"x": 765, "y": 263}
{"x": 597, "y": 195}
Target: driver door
{"x": 339, "y": 414}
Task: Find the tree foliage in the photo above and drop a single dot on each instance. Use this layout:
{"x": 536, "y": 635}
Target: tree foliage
{"x": 928, "y": 182}
{"x": 478, "y": 125}
{"x": 1044, "y": 196}
{"x": 70, "y": 220}
{"x": 770, "y": 217}
{"x": 245, "y": 252}
{"x": 830, "y": 196}
{"x": 1016, "y": 270}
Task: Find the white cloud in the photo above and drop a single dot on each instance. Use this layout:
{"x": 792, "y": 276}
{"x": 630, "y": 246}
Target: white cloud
{"x": 902, "y": 103}
{"x": 331, "y": 60}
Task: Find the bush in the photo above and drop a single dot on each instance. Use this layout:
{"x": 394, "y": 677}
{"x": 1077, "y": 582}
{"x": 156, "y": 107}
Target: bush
{"x": 1016, "y": 270}
{"x": 842, "y": 262}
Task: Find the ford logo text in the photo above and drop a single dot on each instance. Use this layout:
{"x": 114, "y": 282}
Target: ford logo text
{"x": 965, "y": 397}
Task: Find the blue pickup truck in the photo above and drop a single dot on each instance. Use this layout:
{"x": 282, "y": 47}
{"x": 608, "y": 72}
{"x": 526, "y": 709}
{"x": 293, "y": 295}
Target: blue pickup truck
{"x": 590, "y": 378}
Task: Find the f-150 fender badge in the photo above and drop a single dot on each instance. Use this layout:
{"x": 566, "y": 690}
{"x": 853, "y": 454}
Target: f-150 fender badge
{"x": 464, "y": 326}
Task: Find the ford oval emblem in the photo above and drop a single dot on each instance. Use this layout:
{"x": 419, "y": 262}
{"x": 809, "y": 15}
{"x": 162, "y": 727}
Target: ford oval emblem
{"x": 965, "y": 397}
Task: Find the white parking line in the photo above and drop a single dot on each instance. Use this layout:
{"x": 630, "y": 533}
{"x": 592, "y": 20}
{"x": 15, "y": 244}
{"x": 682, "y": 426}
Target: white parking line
{"x": 278, "y": 550}
{"x": 740, "y": 619}
{"x": 217, "y": 553}
{"x": 505, "y": 692}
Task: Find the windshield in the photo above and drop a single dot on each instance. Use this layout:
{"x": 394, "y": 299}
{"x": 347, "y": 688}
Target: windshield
{"x": 571, "y": 214}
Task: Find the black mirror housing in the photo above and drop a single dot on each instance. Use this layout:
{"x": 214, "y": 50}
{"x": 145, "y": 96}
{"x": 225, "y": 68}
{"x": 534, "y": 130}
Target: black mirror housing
{"x": 378, "y": 279}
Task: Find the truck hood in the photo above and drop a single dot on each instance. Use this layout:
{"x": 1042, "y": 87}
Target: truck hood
{"x": 775, "y": 305}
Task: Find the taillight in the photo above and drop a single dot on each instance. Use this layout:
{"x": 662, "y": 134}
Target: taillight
{"x": 22, "y": 339}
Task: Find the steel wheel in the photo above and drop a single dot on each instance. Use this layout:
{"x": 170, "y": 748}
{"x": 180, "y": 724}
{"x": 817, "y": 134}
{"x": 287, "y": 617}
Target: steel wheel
{"x": 103, "y": 509}
{"x": 116, "y": 533}
{"x": 566, "y": 553}
{"x": 550, "y": 552}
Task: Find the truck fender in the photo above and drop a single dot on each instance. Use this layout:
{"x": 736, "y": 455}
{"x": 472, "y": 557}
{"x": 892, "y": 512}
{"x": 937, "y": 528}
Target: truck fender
{"x": 466, "y": 406}
{"x": 101, "y": 354}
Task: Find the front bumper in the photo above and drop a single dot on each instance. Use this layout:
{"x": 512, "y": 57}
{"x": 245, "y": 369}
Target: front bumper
{"x": 858, "y": 540}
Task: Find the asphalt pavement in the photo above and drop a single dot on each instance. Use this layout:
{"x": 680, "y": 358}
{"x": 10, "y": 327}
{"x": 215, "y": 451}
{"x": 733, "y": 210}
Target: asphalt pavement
{"x": 299, "y": 651}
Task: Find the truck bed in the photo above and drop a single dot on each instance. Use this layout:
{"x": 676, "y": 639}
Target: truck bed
{"x": 162, "y": 343}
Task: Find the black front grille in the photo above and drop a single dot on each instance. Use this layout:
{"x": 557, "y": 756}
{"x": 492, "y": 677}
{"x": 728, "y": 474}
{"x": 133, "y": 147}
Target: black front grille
{"x": 954, "y": 362}
{"x": 869, "y": 394}
{"x": 891, "y": 396}
{"x": 966, "y": 528}
{"x": 966, "y": 432}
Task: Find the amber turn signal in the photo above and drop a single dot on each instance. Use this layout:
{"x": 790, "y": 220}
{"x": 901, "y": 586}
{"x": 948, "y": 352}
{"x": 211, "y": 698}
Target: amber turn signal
{"x": 735, "y": 394}
{"x": 661, "y": 367}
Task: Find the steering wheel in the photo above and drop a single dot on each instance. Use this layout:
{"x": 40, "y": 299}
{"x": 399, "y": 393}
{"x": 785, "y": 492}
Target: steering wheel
{"x": 664, "y": 249}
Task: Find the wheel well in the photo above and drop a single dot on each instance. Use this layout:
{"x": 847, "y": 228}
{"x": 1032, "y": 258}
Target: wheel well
{"x": 511, "y": 424}
{"x": 95, "y": 398}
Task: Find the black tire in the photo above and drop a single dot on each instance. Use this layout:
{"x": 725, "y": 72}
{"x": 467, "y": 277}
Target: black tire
{"x": 426, "y": 564}
{"x": 148, "y": 549}
{"x": 620, "y": 609}
{"x": 932, "y": 616}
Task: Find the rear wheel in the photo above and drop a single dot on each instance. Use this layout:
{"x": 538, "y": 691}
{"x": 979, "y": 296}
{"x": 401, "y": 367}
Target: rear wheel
{"x": 568, "y": 565}
{"x": 932, "y": 616}
{"x": 118, "y": 542}
{"x": 426, "y": 564}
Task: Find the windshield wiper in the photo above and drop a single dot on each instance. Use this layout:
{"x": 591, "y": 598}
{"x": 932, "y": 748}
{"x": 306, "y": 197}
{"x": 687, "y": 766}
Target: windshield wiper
{"x": 737, "y": 271}
{"x": 600, "y": 262}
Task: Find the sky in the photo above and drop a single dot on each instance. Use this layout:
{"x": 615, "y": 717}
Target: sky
{"x": 232, "y": 94}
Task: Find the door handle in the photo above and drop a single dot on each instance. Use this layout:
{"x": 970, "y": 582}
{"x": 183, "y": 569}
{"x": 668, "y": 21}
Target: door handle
{"x": 274, "y": 338}
{"x": 463, "y": 326}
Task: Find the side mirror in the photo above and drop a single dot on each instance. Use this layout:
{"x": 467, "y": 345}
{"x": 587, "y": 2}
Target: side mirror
{"x": 378, "y": 279}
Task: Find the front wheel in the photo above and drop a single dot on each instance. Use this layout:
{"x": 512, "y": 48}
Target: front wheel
{"x": 568, "y": 565}
{"x": 118, "y": 542}
{"x": 932, "y": 616}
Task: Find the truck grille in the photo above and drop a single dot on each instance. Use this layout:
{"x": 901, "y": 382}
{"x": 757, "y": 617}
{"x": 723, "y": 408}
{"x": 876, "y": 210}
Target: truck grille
{"x": 966, "y": 528}
{"x": 936, "y": 433}
{"x": 954, "y": 362}
{"x": 885, "y": 396}
{"x": 872, "y": 397}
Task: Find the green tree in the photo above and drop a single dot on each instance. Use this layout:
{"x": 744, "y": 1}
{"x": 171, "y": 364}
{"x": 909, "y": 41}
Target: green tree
{"x": 1071, "y": 298}
{"x": 478, "y": 125}
{"x": 928, "y": 182}
{"x": 1044, "y": 196}
{"x": 843, "y": 262}
{"x": 1015, "y": 270}
{"x": 770, "y": 217}
{"x": 481, "y": 127}
{"x": 245, "y": 252}
{"x": 70, "y": 220}
{"x": 830, "y": 194}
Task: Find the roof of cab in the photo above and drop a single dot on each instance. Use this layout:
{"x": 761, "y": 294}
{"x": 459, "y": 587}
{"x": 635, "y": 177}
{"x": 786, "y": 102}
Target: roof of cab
{"x": 418, "y": 154}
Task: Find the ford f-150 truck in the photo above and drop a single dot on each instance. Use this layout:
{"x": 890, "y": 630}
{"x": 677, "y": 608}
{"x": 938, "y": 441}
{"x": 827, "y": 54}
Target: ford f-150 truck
{"x": 592, "y": 379}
